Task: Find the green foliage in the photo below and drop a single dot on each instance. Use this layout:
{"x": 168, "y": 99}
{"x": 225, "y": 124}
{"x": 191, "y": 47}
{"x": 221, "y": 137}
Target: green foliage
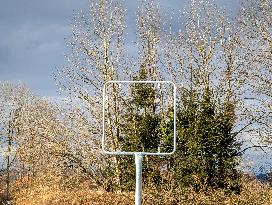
{"x": 207, "y": 151}
{"x": 145, "y": 129}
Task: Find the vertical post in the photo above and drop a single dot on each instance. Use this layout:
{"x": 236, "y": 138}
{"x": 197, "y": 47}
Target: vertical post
{"x": 138, "y": 189}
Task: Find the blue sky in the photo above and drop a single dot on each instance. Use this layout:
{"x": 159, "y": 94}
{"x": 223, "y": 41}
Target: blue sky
{"x": 32, "y": 37}
{"x": 32, "y": 40}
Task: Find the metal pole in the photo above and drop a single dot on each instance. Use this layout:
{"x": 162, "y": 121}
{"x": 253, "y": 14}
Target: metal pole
{"x": 138, "y": 189}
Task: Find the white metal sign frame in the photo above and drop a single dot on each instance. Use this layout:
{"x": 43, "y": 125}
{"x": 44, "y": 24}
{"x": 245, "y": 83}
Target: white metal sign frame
{"x": 139, "y": 155}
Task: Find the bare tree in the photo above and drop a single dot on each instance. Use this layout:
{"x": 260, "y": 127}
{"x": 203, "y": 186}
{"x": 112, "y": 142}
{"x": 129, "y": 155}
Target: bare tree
{"x": 209, "y": 53}
{"x": 12, "y": 100}
{"x": 256, "y": 39}
{"x": 98, "y": 55}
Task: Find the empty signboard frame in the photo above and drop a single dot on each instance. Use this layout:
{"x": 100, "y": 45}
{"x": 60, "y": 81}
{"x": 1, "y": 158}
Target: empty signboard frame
{"x": 137, "y": 112}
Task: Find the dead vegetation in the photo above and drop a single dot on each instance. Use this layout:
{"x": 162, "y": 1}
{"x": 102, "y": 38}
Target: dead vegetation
{"x": 253, "y": 193}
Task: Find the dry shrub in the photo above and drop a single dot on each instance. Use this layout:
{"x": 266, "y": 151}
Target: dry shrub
{"x": 57, "y": 196}
{"x": 52, "y": 192}
{"x": 253, "y": 193}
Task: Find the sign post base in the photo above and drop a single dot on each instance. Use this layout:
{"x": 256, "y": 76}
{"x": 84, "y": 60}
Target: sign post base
{"x": 138, "y": 189}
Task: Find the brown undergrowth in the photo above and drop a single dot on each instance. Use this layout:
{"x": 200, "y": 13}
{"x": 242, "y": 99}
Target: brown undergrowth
{"x": 253, "y": 193}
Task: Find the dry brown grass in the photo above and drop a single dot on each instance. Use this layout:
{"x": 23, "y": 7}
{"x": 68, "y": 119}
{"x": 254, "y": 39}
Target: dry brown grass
{"x": 55, "y": 196}
{"x": 253, "y": 193}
